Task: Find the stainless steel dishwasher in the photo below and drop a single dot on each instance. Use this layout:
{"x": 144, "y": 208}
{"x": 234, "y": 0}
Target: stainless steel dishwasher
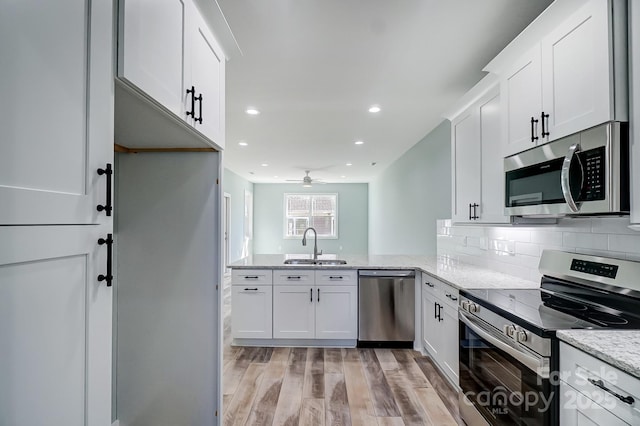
{"x": 386, "y": 308}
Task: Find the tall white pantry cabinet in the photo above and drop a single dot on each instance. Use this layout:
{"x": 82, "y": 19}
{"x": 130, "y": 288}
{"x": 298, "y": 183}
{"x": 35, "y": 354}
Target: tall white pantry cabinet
{"x": 56, "y": 116}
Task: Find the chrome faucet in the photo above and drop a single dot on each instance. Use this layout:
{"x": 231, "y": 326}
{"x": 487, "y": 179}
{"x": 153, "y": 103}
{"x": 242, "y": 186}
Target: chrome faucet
{"x": 315, "y": 242}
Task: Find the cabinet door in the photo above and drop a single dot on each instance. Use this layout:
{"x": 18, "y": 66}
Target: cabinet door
{"x": 576, "y": 63}
{"x": 634, "y": 122}
{"x": 521, "y": 94}
{"x": 251, "y": 316}
{"x": 294, "y": 312}
{"x": 466, "y": 165}
{"x": 492, "y": 201}
{"x": 450, "y": 343}
{"x": 576, "y": 409}
{"x": 336, "y": 312}
{"x": 55, "y": 327}
{"x": 151, "y": 49}
{"x": 207, "y": 68}
{"x": 430, "y": 324}
{"x": 56, "y": 111}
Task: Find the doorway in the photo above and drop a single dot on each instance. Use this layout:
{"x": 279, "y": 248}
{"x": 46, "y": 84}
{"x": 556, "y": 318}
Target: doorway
{"x": 227, "y": 215}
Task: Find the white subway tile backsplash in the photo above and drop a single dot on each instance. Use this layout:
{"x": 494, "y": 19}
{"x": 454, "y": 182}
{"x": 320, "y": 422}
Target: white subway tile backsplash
{"x": 517, "y": 250}
{"x": 582, "y": 240}
{"x": 547, "y": 238}
{"x": 529, "y": 249}
{"x": 625, "y": 243}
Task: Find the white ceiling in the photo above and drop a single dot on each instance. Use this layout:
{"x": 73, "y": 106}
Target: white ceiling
{"x": 313, "y": 68}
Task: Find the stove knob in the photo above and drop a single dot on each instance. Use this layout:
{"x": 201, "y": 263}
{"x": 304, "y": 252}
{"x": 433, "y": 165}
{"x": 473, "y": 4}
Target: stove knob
{"x": 509, "y": 330}
{"x": 465, "y": 305}
{"x": 473, "y": 308}
{"x": 522, "y": 336}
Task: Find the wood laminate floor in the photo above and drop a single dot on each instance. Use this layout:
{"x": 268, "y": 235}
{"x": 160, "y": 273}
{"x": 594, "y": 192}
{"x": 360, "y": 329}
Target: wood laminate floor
{"x": 316, "y": 386}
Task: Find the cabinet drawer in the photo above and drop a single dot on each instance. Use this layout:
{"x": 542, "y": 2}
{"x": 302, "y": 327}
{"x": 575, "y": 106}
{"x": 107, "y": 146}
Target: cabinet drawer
{"x": 293, "y": 276}
{"x": 251, "y": 276}
{"x": 337, "y": 277}
{"x": 583, "y": 371}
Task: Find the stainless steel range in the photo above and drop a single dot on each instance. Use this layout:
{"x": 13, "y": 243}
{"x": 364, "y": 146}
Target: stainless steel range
{"x": 509, "y": 353}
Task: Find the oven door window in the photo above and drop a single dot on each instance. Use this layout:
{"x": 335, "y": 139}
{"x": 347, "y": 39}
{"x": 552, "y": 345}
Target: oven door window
{"x": 502, "y": 389}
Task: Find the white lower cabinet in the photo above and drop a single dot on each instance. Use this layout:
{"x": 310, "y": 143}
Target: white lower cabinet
{"x": 252, "y": 312}
{"x": 440, "y": 325}
{"x": 315, "y": 312}
{"x": 593, "y": 392}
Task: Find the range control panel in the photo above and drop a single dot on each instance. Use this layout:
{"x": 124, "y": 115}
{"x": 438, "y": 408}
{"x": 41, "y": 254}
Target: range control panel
{"x": 594, "y": 268}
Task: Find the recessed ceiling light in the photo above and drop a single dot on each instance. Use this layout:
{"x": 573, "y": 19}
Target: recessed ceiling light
{"x": 275, "y": 176}
{"x": 242, "y": 143}
{"x": 349, "y": 164}
{"x": 358, "y": 142}
{"x": 252, "y": 111}
{"x": 374, "y": 108}
{"x": 264, "y": 164}
{"x": 343, "y": 176}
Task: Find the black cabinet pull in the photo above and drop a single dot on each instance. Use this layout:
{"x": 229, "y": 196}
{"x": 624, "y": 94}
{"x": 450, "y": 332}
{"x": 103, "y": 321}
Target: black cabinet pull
{"x": 294, "y": 278}
{"x": 452, "y": 297}
{"x": 250, "y": 277}
{"x": 439, "y": 312}
{"x": 599, "y": 383}
{"x": 199, "y": 119}
{"x": 543, "y": 117}
{"x": 339, "y": 277}
{"x": 435, "y": 310}
{"x": 109, "y": 242}
{"x": 318, "y": 295}
{"x": 311, "y": 295}
{"x": 475, "y": 213}
{"x": 192, "y": 92}
{"x": 534, "y": 137}
{"x": 470, "y": 217}
{"x": 430, "y": 285}
{"x": 250, "y": 289}
{"x": 107, "y": 207}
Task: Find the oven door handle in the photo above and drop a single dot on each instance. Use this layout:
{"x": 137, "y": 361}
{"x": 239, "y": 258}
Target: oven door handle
{"x": 565, "y": 175}
{"x": 537, "y": 364}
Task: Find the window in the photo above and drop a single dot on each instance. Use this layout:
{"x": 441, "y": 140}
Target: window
{"x": 318, "y": 211}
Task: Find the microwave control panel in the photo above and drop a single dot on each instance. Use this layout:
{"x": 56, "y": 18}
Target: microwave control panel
{"x": 593, "y": 162}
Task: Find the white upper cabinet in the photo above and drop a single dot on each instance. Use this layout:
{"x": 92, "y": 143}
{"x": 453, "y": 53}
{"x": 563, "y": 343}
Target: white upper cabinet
{"x": 577, "y": 69}
{"x": 172, "y": 73}
{"x": 205, "y": 71}
{"x": 56, "y": 112}
{"x": 634, "y": 57}
{"x": 521, "y": 90}
{"x": 478, "y": 177}
{"x": 572, "y": 79}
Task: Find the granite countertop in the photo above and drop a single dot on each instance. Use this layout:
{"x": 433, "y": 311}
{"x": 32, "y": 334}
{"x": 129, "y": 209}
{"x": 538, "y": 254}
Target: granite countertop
{"x": 620, "y": 348}
{"x": 453, "y": 272}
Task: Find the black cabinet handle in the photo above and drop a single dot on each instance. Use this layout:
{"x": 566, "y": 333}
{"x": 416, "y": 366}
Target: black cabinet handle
{"x": 107, "y": 207}
{"x": 454, "y": 298}
{"x": 470, "y": 217}
{"x": 250, "y": 277}
{"x": 599, "y": 383}
{"x": 192, "y": 92}
{"x": 250, "y": 289}
{"x": 430, "y": 285}
{"x": 544, "y": 116}
{"x": 338, "y": 277}
{"x": 109, "y": 242}
{"x": 311, "y": 295}
{"x": 534, "y": 137}
{"x": 439, "y": 313}
{"x": 435, "y": 310}
{"x": 294, "y": 277}
{"x": 318, "y": 295}
{"x": 199, "y": 119}
{"x": 475, "y": 214}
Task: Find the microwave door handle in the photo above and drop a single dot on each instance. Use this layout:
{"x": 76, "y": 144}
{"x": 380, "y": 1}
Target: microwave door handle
{"x": 565, "y": 175}
{"x": 535, "y": 364}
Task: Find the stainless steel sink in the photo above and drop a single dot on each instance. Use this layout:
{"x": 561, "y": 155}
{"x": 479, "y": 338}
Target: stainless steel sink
{"x": 299, "y": 262}
{"x": 315, "y": 262}
{"x": 331, "y": 262}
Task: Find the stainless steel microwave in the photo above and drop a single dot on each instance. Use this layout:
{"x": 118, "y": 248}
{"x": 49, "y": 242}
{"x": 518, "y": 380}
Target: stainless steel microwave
{"x": 585, "y": 173}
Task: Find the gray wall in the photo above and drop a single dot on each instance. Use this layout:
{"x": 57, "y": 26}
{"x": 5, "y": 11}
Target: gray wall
{"x": 235, "y": 186}
{"x": 407, "y": 198}
{"x": 268, "y": 219}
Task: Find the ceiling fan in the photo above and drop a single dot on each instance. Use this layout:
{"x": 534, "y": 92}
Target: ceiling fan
{"x": 306, "y": 180}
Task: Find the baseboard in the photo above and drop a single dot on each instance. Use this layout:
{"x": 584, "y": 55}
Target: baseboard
{"x": 299, "y": 343}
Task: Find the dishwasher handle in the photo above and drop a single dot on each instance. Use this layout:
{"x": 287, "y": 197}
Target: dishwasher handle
{"x": 388, "y": 274}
